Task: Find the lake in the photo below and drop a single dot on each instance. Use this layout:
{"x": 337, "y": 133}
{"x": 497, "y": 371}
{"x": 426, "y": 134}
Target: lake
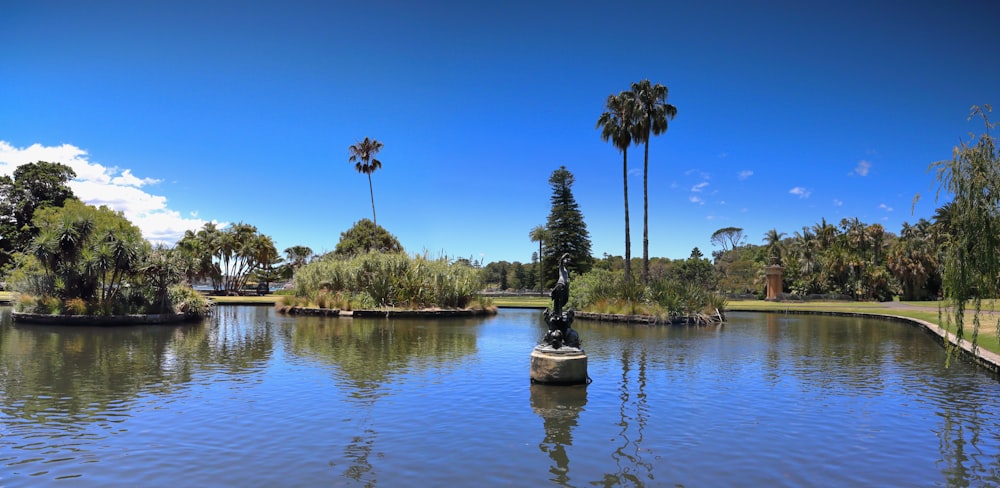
{"x": 252, "y": 398}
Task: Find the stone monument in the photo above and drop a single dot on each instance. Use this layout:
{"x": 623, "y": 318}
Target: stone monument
{"x": 558, "y": 358}
{"x": 773, "y": 273}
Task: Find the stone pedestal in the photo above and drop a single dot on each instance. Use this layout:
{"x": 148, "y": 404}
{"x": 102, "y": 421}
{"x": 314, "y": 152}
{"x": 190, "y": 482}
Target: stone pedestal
{"x": 563, "y": 366}
{"x": 773, "y": 273}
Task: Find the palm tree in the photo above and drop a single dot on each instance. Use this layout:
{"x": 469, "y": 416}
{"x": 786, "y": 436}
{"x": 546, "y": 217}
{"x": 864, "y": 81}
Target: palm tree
{"x": 616, "y": 125}
{"x": 539, "y": 234}
{"x": 652, "y": 116}
{"x": 772, "y": 241}
{"x": 362, "y": 155}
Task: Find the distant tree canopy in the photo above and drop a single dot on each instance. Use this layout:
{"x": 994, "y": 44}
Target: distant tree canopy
{"x": 363, "y": 237}
{"x": 33, "y": 186}
{"x": 567, "y": 232}
{"x": 228, "y": 257}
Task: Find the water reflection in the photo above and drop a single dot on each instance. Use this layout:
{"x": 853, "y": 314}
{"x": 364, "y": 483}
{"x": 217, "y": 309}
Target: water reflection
{"x": 559, "y": 407}
{"x": 766, "y": 400}
{"x": 366, "y": 355}
{"x": 368, "y": 352}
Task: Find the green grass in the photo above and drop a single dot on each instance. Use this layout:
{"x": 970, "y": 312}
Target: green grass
{"x": 526, "y": 302}
{"x": 6, "y": 296}
{"x": 926, "y": 310}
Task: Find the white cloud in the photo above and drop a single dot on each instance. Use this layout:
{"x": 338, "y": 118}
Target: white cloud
{"x": 697, "y": 200}
{"x": 862, "y": 168}
{"x": 742, "y": 175}
{"x": 96, "y": 184}
{"x": 837, "y": 202}
{"x": 801, "y": 192}
{"x": 697, "y": 188}
{"x": 885, "y": 207}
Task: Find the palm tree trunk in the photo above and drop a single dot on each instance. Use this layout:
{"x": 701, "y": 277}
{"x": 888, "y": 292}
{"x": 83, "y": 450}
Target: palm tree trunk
{"x": 645, "y": 216}
{"x": 628, "y": 238}
{"x": 372, "y": 193}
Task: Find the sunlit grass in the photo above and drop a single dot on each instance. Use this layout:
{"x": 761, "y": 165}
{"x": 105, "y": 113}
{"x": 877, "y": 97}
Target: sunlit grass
{"x": 526, "y": 302}
{"x": 6, "y": 296}
{"x": 924, "y": 310}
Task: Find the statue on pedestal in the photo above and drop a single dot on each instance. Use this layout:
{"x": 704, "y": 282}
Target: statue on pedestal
{"x": 560, "y": 322}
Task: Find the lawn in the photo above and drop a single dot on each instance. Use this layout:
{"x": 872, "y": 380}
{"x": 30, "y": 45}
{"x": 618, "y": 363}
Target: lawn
{"x": 522, "y": 302}
{"x": 927, "y": 311}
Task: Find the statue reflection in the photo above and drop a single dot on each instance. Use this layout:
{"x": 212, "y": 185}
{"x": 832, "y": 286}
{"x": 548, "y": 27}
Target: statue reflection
{"x": 559, "y": 407}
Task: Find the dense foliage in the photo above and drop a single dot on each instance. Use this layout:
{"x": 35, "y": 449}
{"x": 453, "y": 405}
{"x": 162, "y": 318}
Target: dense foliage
{"x": 365, "y": 236}
{"x": 87, "y": 260}
{"x": 680, "y": 289}
{"x": 566, "y": 229}
{"x": 32, "y": 186}
{"x": 387, "y": 280}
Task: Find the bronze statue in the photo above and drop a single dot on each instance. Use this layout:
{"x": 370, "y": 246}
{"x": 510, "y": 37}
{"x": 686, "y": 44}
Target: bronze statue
{"x": 560, "y": 293}
{"x": 560, "y": 332}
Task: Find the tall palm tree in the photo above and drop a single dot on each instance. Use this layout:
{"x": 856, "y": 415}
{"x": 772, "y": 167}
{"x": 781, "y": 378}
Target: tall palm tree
{"x": 772, "y": 241}
{"x": 362, "y": 155}
{"x": 539, "y": 234}
{"x": 652, "y": 117}
{"x": 616, "y": 124}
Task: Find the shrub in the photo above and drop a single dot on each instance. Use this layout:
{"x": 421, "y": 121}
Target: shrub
{"x": 75, "y": 306}
{"x": 25, "y": 303}
{"x": 50, "y": 305}
{"x": 189, "y": 301}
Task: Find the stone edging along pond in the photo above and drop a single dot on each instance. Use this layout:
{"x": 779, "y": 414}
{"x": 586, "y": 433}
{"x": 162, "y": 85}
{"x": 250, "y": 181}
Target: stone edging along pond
{"x": 986, "y": 359}
{"x": 148, "y": 319}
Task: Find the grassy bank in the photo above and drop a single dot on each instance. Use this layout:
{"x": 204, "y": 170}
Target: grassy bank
{"x": 522, "y": 302}
{"x": 247, "y": 300}
{"x": 6, "y": 296}
{"x": 928, "y": 311}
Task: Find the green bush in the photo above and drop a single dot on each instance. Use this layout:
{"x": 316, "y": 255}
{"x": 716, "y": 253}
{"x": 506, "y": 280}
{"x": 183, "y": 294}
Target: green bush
{"x": 189, "y": 301}
{"x": 605, "y": 291}
{"x": 50, "y": 305}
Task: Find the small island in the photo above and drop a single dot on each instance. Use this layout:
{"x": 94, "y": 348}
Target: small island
{"x": 91, "y": 266}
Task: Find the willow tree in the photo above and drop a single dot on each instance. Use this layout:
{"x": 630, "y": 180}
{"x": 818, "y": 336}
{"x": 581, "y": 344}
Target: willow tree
{"x": 972, "y": 253}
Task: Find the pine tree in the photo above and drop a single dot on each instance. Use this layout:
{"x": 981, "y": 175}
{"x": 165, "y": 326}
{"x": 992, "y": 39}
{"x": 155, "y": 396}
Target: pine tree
{"x": 567, "y": 230}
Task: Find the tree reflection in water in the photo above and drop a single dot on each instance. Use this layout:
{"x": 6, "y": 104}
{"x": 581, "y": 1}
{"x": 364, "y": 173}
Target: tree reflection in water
{"x": 368, "y": 353}
{"x": 632, "y": 469}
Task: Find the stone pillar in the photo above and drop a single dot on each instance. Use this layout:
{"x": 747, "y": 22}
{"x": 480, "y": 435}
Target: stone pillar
{"x": 773, "y": 282}
{"x": 563, "y": 366}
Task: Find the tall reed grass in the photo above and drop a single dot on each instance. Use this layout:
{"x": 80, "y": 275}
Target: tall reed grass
{"x": 388, "y": 280}
{"x": 605, "y": 291}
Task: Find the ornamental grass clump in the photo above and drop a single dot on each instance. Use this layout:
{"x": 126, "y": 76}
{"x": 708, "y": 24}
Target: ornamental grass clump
{"x": 390, "y": 280}
{"x": 669, "y": 300}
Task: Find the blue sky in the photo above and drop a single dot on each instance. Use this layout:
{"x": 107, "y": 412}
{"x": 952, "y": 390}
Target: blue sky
{"x": 178, "y": 113}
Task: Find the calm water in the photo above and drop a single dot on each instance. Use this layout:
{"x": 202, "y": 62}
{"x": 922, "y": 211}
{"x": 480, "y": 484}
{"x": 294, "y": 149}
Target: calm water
{"x": 250, "y": 398}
